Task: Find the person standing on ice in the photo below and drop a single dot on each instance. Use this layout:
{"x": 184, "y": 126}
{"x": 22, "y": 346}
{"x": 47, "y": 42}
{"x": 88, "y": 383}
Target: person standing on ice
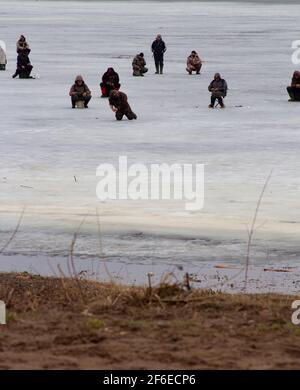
{"x": 193, "y": 63}
{"x": 218, "y": 88}
{"x": 22, "y": 45}
{"x": 3, "y": 60}
{"x": 158, "y": 49}
{"x": 24, "y": 66}
{"x": 294, "y": 88}
{"x": 139, "y": 65}
{"x": 110, "y": 81}
{"x": 119, "y": 105}
{"x": 80, "y": 92}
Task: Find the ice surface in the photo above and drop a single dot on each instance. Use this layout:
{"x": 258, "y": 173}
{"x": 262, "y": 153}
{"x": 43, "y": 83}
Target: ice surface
{"x": 44, "y": 143}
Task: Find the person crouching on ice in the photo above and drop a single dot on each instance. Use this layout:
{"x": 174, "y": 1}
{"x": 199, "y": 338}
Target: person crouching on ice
{"x": 110, "y": 81}
{"x": 193, "y": 63}
{"x": 24, "y": 66}
{"x": 120, "y": 106}
{"x": 139, "y": 65}
{"x": 80, "y": 92}
{"x": 294, "y": 89}
{"x": 218, "y": 88}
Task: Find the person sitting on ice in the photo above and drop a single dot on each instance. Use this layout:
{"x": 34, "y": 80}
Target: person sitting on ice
{"x": 218, "y": 88}
{"x": 193, "y": 63}
{"x": 22, "y": 45}
{"x": 139, "y": 65}
{"x": 80, "y": 92}
{"x": 24, "y": 66}
{"x": 110, "y": 81}
{"x": 294, "y": 88}
{"x": 119, "y": 104}
{"x": 3, "y": 60}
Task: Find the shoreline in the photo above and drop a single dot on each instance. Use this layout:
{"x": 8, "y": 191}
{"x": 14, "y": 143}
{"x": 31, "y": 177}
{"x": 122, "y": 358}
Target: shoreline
{"x": 218, "y": 276}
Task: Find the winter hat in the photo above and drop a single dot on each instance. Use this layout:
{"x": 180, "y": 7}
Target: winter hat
{"x": 114, "y": 92}
{"x": 78, "y": 78}
{"x": 141, "y": 54}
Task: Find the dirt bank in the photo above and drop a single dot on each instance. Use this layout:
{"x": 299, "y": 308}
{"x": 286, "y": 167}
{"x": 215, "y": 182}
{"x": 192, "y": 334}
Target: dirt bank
{"x": 71, "y": 324}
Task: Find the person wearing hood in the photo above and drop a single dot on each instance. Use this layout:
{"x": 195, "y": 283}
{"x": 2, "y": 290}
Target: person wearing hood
{"x": 80, "y": 92}
{"x": 119, "y": 105}
{"x": 218, "y": 88}
{"x": 110, "y": 81}
{"x": 139, "y": 65}
{"x": 294, "y": 88}
{"x": 22, "y": 45}
{"x": 3, "y": 60}
{"x": 193, "y": 63}
{"x": 158, "y": 49}
{"x": 24, "y": 66}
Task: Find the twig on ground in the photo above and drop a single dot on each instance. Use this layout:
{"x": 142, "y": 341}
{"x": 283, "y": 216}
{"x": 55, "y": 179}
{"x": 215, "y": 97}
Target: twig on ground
{"x": 253, "y": 227}
{"x": 101, "y": 254}
{"x": 75, "y": 276}
{"x": 187, "y": 281}
{"x": 14, "y": 232}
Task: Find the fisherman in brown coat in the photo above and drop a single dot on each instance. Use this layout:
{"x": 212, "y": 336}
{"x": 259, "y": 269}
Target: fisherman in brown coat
{"x": 194, "y": 63}
{"x": 139, "y": 65}
{"x": 80, "y": 92}
{"x": 120, "y": 106}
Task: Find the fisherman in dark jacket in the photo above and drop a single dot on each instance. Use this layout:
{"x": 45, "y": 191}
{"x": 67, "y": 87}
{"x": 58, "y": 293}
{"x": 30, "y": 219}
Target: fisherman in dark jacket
{"x": 119, "y": 104}
{"x": 110, "y": 81}
{"x": 24, "y": 66}
{"x": 158, "y": 49}
{"x": 80, "y": 92}
{"x": 294, "y": 88}
{"x": 218, "y": 88}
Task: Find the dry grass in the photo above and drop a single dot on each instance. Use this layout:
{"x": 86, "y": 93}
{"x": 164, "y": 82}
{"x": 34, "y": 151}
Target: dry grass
{"x": 117, "y": 326}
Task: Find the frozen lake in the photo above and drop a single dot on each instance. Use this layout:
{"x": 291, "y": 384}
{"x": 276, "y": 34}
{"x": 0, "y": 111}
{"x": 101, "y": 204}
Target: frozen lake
{"x": 44, "y": 143}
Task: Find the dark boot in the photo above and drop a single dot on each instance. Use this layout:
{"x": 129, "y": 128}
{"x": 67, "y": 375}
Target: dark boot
{"x": 291, "y": 94}
{"x": 212, "y": 102}
{"x": 161, "y": 69}
{"x": 86, "y": 101}
{"x": 73, "y": 100}
{"x": 157, "y": 69}
{"x": 220, "y": 101}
